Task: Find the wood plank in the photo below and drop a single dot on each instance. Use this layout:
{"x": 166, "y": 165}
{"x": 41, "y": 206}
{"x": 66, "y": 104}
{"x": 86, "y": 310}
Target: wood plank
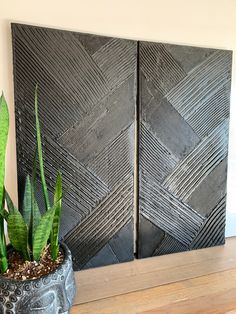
{"x": 99, "y": 283}
{"x": 214, "y": 293}
{"x": 218, "y": 303}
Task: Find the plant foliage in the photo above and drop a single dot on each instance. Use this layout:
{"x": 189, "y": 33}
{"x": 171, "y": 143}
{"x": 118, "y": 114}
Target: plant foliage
{"x": 29, "y": 231}
{"x": 4, "y": 127}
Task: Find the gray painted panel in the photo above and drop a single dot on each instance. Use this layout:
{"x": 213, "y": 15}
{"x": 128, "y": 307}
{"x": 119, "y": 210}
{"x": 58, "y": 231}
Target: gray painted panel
{"x": 184, "y": 117}
{"x": 87, "y": 108}
{"x": 87, "y": 99}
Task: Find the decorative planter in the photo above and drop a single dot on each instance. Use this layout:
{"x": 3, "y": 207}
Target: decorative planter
{"x": 53, "y": 293}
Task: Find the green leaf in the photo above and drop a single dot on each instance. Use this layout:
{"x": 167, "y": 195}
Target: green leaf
{"x": 27, "y": 203}
{"x": 56, "y": 220}
{"x": 3, "y": 247}
{"x": 4, "y": 213}
{"x": 36, "y": 216}
{"x": 11, "y": 207}
{"x": 4, "y": 127}
{"x": 35, "y": 210}
{"x": 42, "y": 233}
{"x": 34, "y": 172}
{"x": 40, "y": 154}
{"x": 18, "y": 233}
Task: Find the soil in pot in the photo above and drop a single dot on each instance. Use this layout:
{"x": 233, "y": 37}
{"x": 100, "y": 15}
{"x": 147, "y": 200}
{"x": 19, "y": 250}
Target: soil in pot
{"x": 49, "y": 294}
{"x": 23, "y": 270}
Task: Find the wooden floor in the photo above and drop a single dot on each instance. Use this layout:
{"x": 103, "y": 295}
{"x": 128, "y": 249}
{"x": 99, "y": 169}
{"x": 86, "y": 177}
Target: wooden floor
{"x": 202, "y": 281}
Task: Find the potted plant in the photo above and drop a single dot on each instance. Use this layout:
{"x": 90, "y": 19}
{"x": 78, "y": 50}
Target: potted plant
{"x": 36, "y": 273}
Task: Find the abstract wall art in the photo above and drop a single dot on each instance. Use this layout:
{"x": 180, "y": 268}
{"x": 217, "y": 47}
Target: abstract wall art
{"x": 184, "y": 121}
{"x": 87, "y": 100}
{"x": 105, "y": 103}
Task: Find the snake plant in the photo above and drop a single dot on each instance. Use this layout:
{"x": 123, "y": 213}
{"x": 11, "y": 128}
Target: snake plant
{"x": 29, "y": 232}
{"x": 4, "y": 127}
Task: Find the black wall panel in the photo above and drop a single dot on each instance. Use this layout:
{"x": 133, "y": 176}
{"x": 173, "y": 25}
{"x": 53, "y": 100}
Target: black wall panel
{"x": 184, "y": 118}
{"x": 88, "y": 86}
{"x": 87, "y": 100}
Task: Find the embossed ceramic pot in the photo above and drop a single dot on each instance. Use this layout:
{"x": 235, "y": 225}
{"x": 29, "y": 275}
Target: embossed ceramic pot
{"x": 50, "y": 294}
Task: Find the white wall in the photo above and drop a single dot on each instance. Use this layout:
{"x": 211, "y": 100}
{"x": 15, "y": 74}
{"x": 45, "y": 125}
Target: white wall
{"x": 206, "y": 23}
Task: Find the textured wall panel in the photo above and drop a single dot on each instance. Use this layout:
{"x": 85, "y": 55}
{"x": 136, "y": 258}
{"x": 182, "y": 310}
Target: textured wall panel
{"x": 87, "y": 99}
{"x": 184, "y": 95}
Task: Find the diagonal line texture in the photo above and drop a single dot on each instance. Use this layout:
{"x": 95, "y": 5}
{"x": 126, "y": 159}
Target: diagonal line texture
{"x": 160, "y": 67}
{"x": 192, "y": 170}
{"x": 165, "y": 210}
{"x": 117, "y": 60}
{"x": 155, "y": 157}
{"x": 52, "y": 46}
{"x": 213, "y": 229}
{"x": 199, "y": 85}
{"x": 89, "y": 85}
{"x": 25, "y": 83}
{"x": 169, "y": 245}
{"x": 87, "y": 100}
{"x": 86, "y": 189}
{"x": 211, "y": 112}
{"x": 184, "y": 123}
{"x": 102, "y": 224}
{"x": 101, "y": 126}
{"x": 115, "y": 161}
{"x": 78, "y": 80}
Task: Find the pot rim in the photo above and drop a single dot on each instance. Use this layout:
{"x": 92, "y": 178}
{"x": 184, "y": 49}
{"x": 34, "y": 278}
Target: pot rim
{"x": 67, "y": 256}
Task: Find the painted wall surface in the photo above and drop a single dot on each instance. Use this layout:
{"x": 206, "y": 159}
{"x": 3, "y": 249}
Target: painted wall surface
{"x": 202, "y": 23}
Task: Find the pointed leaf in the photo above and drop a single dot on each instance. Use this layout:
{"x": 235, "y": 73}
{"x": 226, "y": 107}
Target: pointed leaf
{"x": 11, "y": 207}
{"x": 56, "y": 220}
{"x": 42, "y": 233}
{"x": 27, "y": 204}
{"x": 36, "y": 217}
{"x": 35, "y": 210}
{"x": 33, "y": 185}
{"x": 18, "y": 233}
{"x": 40, "y": 154}
{"x": 4, "y": 127}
